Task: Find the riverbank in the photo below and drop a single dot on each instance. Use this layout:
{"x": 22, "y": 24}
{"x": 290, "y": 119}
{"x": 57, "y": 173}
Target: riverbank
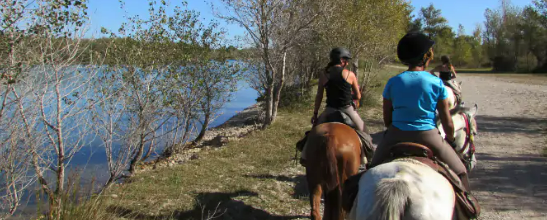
{"x": 239, "y": 125}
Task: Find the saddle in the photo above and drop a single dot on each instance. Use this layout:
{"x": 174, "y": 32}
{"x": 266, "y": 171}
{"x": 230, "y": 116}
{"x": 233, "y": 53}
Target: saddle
{"x": 367, "y": 148}
{"x": 455, "y": 90}
{"x": 467, "y": 206}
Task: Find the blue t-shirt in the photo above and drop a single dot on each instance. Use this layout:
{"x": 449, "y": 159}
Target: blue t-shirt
{"x": 414, "y": 96}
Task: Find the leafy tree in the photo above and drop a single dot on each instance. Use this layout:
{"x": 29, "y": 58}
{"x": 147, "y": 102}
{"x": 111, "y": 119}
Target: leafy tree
{"x": 434, "y": 23}
{"x": 476, "y": 47}
{"x": 462, "y": 48}
{"x": 436, "y": 27}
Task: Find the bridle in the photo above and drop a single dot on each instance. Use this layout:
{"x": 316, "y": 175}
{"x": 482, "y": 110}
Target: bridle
{"x": 469, "y": 135}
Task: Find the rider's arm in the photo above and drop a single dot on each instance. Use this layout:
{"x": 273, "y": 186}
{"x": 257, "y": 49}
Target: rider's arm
{"x": 388, "y": 112}
{"x": 355, "y": 87}
{"x": 319, "y": 95}
{"x": 446, "y": 119}
{"x": 387, "y": 105}
{"x": 453, "y": 71}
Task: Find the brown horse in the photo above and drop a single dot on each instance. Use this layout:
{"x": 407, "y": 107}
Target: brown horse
{"x": 333, "y": 155}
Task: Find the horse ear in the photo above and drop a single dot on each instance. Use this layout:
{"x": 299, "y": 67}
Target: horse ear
{"x": 473, "y": 111}
{"x": 461, "y": 83}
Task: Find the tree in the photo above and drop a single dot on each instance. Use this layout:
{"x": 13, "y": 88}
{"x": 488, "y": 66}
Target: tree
{"x": 462, "y": 48}
{"x": 47, "y": 88}
{"x": 436, "y": 27}
{"x": 434, "y": 22}
{"x": 503, "y": 37}
{"x": 476, "y": 47}
{"x": 273, "y": 26}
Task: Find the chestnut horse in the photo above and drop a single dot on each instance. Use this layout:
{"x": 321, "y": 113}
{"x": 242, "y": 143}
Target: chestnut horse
{"x": 333, "y": 155}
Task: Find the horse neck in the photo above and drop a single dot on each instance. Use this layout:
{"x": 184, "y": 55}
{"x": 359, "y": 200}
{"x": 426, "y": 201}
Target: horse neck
{"x": 460, "y": 137}
{"x": 451, "y": 97}
{"x": 458, "y": 122}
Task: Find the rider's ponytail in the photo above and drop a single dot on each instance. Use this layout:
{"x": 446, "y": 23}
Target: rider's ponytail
{"x": 446, "y": 60}
{"x": 331, "y": 64}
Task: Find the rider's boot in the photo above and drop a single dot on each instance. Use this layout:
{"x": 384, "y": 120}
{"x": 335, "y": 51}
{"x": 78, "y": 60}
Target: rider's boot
{"x": 470, "y": 208}
{"x": 300, "y": 147}
{"x": 366, "y": 149}
{"x": 301, "y": 143}
{"x": 465, "y": 181}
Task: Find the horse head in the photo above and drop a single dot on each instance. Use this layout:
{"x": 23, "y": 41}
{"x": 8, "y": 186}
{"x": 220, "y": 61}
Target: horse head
{"x": 472, "y": 112}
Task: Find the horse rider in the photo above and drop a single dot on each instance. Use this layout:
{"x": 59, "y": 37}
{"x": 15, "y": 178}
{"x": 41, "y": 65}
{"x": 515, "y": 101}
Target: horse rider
{"x": 447, "y": 73}
{"x": 339, "y": 84}
{"x": 409, "y": 103}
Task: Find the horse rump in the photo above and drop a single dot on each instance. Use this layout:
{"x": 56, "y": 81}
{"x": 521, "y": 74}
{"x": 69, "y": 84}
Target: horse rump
{"x": 392, "y": 198}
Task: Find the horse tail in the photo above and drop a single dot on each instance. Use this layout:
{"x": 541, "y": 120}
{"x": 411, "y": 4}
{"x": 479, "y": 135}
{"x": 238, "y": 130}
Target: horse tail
{"x": 331, "y": 166}
{"x": 392, "y": 196}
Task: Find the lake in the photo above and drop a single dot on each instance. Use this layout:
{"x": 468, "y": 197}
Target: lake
{"x": 92, "y": 158}
{"x": 90, "y": 161}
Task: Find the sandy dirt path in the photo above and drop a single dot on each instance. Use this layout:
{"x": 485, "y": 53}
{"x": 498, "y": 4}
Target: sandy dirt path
{"x": 510, "y": 179}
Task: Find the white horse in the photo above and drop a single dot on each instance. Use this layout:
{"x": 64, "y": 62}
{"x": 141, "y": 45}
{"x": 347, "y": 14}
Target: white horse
{"x": 403, "y": 189}
{"x": 407, "y": 189}
{"x": 464, "y": 137}
{"x": 451, "y": 96}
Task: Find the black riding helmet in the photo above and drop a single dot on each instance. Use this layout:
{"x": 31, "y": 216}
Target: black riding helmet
{"x": 339, "y": 52}
{"x": 412, "y": 48}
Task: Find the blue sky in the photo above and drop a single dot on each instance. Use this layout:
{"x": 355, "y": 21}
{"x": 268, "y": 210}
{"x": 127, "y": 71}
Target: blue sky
{"x": 107, "y": 13}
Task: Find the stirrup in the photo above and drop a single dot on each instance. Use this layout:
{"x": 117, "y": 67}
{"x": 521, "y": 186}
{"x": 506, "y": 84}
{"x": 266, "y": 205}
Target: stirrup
{"x": 303, "y": 162}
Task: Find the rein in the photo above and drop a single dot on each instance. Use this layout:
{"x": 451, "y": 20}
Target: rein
{"x": 469, "y": 143}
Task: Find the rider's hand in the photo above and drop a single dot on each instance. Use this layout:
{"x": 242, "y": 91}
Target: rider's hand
{"x": 313, "y": 119}
{"x": 452, "y": 143}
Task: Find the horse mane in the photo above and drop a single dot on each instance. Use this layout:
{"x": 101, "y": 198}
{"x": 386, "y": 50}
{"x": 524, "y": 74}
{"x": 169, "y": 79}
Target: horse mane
{"x": 456, "y": 110}
{"x": 392, "y": 196}
{"x": 459, "y": 109}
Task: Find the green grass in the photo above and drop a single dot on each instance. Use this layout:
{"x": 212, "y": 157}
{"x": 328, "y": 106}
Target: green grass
{"x": 474, "y": 70}
{"x": 251, "y": 178}
{"x": 254, "y": 177}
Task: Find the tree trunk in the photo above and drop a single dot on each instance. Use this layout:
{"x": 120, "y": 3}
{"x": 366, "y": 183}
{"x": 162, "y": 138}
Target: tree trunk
{"x": 203, "y": 128}
{"x": 61, "y": 153}
{"x": 137, "y": 158}
{"x": 186, "y": 126}
{"x": 269, "y": 104}
{"x": 277, "y": 94}
{"x": 355, "y": 65}
{"x": 270, "y": 75}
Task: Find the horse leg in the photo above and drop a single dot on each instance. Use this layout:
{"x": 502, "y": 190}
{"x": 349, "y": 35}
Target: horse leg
{"x": 333, "y": 205}
{"x": 314, "y": 187}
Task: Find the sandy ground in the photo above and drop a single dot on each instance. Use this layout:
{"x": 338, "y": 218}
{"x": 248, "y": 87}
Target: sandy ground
{"x": 510, "y": 179}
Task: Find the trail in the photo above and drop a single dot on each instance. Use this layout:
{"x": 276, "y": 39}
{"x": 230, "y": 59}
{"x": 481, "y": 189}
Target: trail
{"x": 510, "y": 180}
